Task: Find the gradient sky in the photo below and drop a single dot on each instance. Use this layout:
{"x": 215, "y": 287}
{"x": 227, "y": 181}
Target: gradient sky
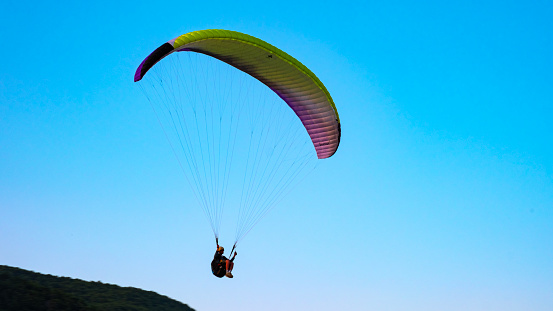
{"x": 440, "y": 196}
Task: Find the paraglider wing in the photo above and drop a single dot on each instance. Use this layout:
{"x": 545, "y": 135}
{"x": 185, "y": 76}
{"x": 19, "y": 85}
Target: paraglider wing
{"x": 286, "y": 76}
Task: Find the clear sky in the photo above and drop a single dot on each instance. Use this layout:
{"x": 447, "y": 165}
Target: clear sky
{"x": 440, "y": 196}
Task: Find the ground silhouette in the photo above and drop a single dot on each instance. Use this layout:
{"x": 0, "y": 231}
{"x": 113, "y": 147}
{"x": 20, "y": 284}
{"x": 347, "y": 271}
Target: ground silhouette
{"x": 22, "y": 290}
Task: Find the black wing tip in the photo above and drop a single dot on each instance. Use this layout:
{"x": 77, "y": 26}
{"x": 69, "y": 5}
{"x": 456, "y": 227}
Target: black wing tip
{"x": 152, "y": 59}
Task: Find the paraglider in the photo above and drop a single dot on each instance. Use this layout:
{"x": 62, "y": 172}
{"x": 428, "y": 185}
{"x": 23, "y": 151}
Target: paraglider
{"x": 220, "y": 265}
{"x": 209, "y": 109}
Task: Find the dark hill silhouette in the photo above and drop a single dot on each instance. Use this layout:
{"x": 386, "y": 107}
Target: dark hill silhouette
{"x": 22, "y": 290}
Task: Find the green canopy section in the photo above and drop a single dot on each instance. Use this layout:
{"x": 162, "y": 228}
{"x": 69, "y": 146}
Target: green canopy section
{"x": 298, "y": 86}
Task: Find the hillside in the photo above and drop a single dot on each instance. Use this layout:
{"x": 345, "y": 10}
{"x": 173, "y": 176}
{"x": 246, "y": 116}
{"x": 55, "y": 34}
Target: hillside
{"x": 22, "y": 290}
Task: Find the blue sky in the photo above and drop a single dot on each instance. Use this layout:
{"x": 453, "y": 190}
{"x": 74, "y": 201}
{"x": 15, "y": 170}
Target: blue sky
{"x": 440, "y": 196}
